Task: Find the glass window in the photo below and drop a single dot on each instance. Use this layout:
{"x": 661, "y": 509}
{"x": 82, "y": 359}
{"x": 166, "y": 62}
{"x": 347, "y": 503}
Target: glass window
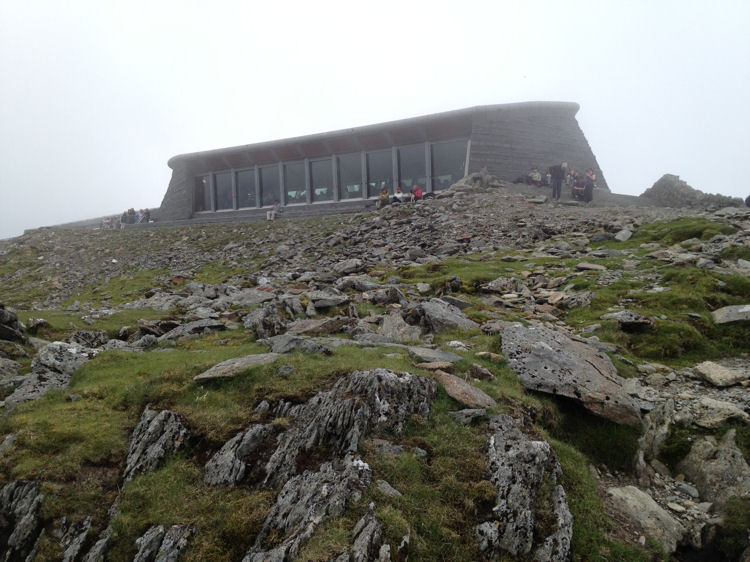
{"x": 379, "y": 172}
{"x": 350, "y": 175}
{"x": 246, "y": 188}
{"x": 321, "y": 180}
{"x": 269, "y": 185}
{"x": 224, "y": 196}
{"x": 201, "y": 195}
{"x": 448, "y": 163}
{"x": 294, "y": 178}
{"x": 412, "y": 168}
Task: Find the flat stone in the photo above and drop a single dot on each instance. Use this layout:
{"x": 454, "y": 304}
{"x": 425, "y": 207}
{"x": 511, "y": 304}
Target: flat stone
{"x": 734, "y": 313}
{"x": 427, "y": 355}
{"x": 468, "y": 416}
{"x": 387, "y": 489}
{"x": 624, "y": 235}
{"x": 711, "y": 413}
{"x": 231, "y": 367}
{"x": 463, "y": 392}
{"x": 549, "y": 361}
{"x": 719, "y": 375}
{"x": 494, "y": 357}
{"x": 586, "y": 266}
{"x": 319, "y": 326}
{"x": 435, "y": 365}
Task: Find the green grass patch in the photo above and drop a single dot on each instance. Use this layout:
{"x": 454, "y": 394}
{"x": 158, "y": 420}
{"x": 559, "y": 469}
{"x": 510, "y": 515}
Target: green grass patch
{"x": 130, "y": 285}
{"x": 679, "y": 230}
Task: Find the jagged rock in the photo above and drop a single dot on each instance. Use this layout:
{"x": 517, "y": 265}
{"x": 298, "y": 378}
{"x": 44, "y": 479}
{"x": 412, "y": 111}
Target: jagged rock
{"x": 641, "y": 508}
{"x": 157, "y": 434}
{"x": 345, "y": 267}
{"x": 736, "y": 313}
{"x": 156, "y": 327}
{"x": 468, "y": 416}
{"x": 717, "y": 469}
{"x": 463, "y": 392}
{"x": 229, "y": 465}
{"x": 195, "y": 327}
{"x": 286, "y": 343}
{"x": 437, "y": 315}
{"x": 305, "y": 502}
{"x": 265, "y": 322}
{"x": 327, "y": 298}
{"x": 427, "y": 355}
{"x": 89, "y": 338}
{"x": 8, "y": 370}
{"x": 656, "y": 425}
{"x": 629, "y": 321}
{"x": 549, "y": 361}
{"x": 719, "y": 375}
{"x": 10, "y": 328}
{"x": 367, "y": 543}
{"x": 160, "y": 544}
{"x": 711, "y": 413}
{"x": 51, "y": 369}
{"x": 395, "y": 329}
{"x": 231, "y": 367}
{"x": 362, "y": 401}
{"x": 518, "y": 467}
{"x": 319, "y": 326}
{"x": 74, "y": 539}
{"x": 20, "y": 522}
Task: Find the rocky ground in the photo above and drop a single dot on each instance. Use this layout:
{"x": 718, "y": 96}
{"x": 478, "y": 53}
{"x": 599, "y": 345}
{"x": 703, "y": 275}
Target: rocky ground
{"x": 483, "y": 375}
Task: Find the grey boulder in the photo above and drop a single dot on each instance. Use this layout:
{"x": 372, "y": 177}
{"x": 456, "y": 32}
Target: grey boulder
{"x": 157, "y": 434}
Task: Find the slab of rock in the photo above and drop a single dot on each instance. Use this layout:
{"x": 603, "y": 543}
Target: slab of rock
{"x": 641, "y": 508}
{"x": 463, "y": 392}
{"x": 195, "y": 327}
{"x": 157, "y": 434}
{"x": 319, "y": 326}
{"x": 345, "y": 267}
{"x": 586, "y": 266}
{"x": 286, "y": 343}
{"x": 435, "y": 365}
{"x": 719, "y": 375}
{"x": 734, "y": 313}
{"x": 427, "y": 355}
{"x": 551, "y": 362}
{"x": 438, "y": 315}
{"x": 518, "y": 466}
{"x": 305, "y": 502}
{"x": 74, "y": 539}
{"x": 231, "y": 367}
{"x": 718, "y": 469}
{"x": 711, "y": 413}
{"x": 338, "y": 418}
{"x": 359, "y": 283}
{"x": 229, "y": 465}
{"x": 162, "y": 543}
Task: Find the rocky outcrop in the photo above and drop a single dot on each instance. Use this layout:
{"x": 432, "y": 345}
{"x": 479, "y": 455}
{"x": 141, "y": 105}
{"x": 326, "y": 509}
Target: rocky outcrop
{"x": 20, "y": 522}
{"x": 549, "y": 361}
{"x": 655, "y": 521}
{"x": 286, "y": 343}
{"x": 229, "y": 465}
{"x": 305, "y": 502}
{"x": 157, "y": 434}
{"x": 436, "y": 315}
{"x": 361, "y": 402}
{"x": 51, "y": 369}
{"x": 74, "y": 539}
{"x": 10, "y": 328}
{"x": 717, "y": 468}
{"x": 671, "y": 191}
{"x": 231, "y": 367}
{"x": 367, "y": 541}
{"x": 523, "y": 470}
{"x": 163, "y": 544}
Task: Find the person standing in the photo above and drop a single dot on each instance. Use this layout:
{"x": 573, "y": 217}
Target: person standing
{"x": 558, "y": 173}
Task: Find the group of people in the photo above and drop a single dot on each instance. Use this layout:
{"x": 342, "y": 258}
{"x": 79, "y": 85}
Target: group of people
{"x": 582, "y": 184}
{"x": 131, "y": 216}
{"x": 385, "y": 198}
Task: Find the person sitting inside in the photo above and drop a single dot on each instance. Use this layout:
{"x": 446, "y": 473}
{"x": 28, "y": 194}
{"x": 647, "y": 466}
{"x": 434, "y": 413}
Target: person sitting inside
{"x": 534, "y": 177}
{"x": 415, "y": 193}
{"x": 399, "y": 196}
{"x": 383, "y": 199}
{"x": 275, "y": 210}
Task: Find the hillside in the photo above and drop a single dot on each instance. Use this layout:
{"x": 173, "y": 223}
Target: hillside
{"x": 480, "y": 376}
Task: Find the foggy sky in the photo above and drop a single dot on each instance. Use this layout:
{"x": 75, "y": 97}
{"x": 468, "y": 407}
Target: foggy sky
{"x": 95, "y": 97}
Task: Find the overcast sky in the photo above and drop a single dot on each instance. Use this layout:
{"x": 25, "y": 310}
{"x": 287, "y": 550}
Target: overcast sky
{"x": 96, "y": 96}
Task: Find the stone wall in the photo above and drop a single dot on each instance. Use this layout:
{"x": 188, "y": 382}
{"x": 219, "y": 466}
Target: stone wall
{"x": 178, "y": 200}
{"x": 510, "y": 140}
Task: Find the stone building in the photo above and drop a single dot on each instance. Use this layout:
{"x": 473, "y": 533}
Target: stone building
{"x": 344, "y": 169}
